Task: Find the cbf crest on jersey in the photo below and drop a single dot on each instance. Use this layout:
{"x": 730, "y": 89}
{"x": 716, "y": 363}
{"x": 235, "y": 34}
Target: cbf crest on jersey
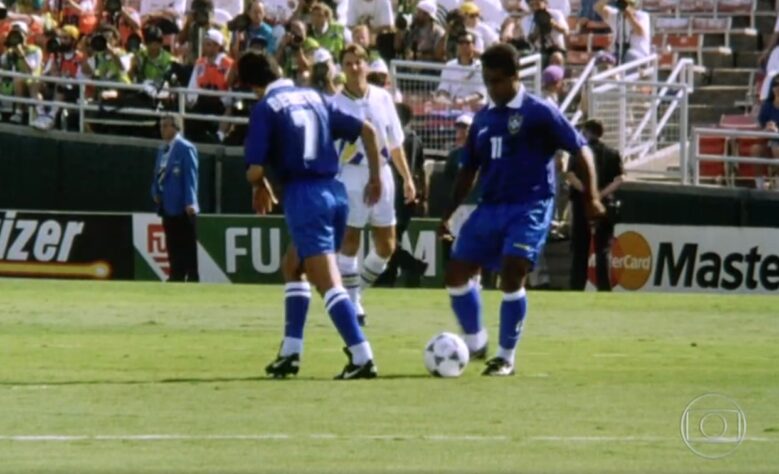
{"x": 515, "y": 123}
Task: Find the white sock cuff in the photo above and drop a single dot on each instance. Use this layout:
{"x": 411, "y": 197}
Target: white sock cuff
{"x": 460, "y": 290}
{"x": 346, "y": 263}
{"x": 334, "y": 295}
{"x": 297, "y": 286}
{"x": 517, "y": 295}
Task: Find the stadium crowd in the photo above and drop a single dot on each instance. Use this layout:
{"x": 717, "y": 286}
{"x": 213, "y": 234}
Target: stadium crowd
{"x": 195, "y": 43}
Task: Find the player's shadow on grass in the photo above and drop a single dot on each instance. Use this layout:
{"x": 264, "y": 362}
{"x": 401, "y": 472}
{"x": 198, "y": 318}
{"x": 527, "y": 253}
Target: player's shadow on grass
{"x": 197, "y": 380}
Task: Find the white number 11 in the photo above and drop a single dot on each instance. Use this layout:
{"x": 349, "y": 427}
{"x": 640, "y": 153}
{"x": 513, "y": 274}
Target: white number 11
{"x": 306, "y": 119}
{"x": 497, "y": 147}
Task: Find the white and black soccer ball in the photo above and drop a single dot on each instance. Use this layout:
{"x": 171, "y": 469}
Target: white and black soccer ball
{"x": 446, "y": 355}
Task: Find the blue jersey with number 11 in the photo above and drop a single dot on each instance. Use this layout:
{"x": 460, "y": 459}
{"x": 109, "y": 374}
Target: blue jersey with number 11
{"x": 293, "y": 130}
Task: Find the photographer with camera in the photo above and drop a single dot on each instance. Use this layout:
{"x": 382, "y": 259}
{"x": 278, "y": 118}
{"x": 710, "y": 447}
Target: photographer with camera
{"x": 151, "y": 64}
{"x": 24, "y": 58}
{"x": 291, "y": 54}
{"x": 631, "y": 29}
{"x": 125, "y": 19}
{"x": 419, "y": 42}
{"x": 546, "y": 28}
{"x": 64, "y": 62}
{"x": 197, "y": 22}
{"x": 211, "y": 72}
{"x": 106, "y": 60}
{"x": 250, "y": 28}
{"x": 485, "y": 35}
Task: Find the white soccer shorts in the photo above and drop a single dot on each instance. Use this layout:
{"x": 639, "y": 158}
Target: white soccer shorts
{"x": 381, "y": 214}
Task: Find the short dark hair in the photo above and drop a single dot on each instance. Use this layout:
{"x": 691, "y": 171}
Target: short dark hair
{"x": 502, "y": 57}
{"x": 152, "y": 34}
{"x": 257, "y": 69}
{"x": 594, "y": 126}
{"x": 354, "y": 49}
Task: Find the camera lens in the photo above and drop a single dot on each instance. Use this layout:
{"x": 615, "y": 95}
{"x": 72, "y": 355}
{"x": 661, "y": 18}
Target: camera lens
{"x": 98, "y": 43}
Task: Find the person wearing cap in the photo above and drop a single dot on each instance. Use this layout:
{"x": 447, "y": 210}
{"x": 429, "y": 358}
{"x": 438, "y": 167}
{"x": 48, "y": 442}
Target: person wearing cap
{"x": 631, "y": 29}
{"x": 552, "y": 84}
{"x": 211, "y": 72}
{"x": 462, "y": 126}
{"x": 420, "y": 40}
{"x": 24, "y": 58}
{"x": 546, "y": 28}
{"x": 112, "y": 64}
{"x": 374, "y": 105}
{"x": 330, "y": 34}
{"x": 487, "y": 35}
{"x": 378, "y": 75}
{"x": 63, "y": 63}
{"x": 257, "y": 31}
{"x": 323, "y": 73}
{"x": 461, "y": 81}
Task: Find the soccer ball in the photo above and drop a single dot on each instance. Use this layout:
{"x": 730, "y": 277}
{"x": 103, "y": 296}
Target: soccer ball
{"x": 446, "y": 355}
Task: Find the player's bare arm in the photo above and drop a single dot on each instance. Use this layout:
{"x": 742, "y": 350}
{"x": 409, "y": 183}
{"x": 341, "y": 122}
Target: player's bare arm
{"x": 401, "y": 164}
{"x": 371, "y": 145}
{"x": 263, "y": 198}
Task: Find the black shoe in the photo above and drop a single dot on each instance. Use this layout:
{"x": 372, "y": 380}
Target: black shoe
{"x": 479, "y": 354}
{"x": 361, "y": 320}
{"x": 351, "y": 371}
{"x": 283, "y": 366}
{"x": 498, "y": 367}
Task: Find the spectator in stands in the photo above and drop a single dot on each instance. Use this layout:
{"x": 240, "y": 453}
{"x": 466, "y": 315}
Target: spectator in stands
{"x": 546, "y": 28}
{"x": 587, "y": 11}
{"x": 563, "y": 6}
{"x": 124, "y": 19}
{"x": 24, "y": 58}
{"x": 323, "y": 73}
{"x": 107, "y": 61}
{"x": 610, "y": 175}
{"x": 64, "y": 61}
{"x": 174, "y": 191}
{"x": 461, "y": 126}
{"x": 151, "y": 64}
{"x": 330, "y": 34}
{"x": 492, "y": 12}
{"x": 291, "y": 54}
{"x": 211, "y": 72}
{"x": 552, "y": 82}
{"x": 81, "y": 14}
{"x": 197, "y": 22}
{"x": 250, "y": 28}
{"x": 485, "y": 36}
{"x": 419, "y": 42}
{"x": 769, "y": 60}
{"x": 378, "y": 75}
{"x": 769, "y": 121}
{"x": 402, "y": 259}
{"x": 165, "y": 14}
{"x": 376, "y": 14}
{"x": 631, "y": 29}
{"x": 361, "y": 35}
{"x": 511, "y": 30}
{"x": 446, "y": 49}
{"x": 461, "y": 81}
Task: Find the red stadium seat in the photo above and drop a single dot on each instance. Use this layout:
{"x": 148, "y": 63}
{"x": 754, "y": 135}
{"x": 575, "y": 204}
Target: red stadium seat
{"x": 577, "y": 58}
{"x": 712, "y": 146}
{"x": 598, "y": 42}
{"x": 579, "y": 42}
{"x": 711, "y": 25}
{"x": 665, "y": 24}
{"x": 736, "y": 7}
{"x": 738, "y": 122}
{"x": 743, "y": 147}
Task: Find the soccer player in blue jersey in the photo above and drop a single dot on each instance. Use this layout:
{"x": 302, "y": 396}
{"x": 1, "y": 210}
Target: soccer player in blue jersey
{"x": 292, "y": 130}
{"x": 511, "y": 145}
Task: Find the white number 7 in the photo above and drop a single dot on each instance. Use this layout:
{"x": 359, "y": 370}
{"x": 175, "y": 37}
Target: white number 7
{"x": 497, "y": 147}
{"x": 306, "y": 119}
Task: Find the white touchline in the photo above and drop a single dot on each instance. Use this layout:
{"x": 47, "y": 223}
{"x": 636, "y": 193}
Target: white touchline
{"x": 331, "y": 436}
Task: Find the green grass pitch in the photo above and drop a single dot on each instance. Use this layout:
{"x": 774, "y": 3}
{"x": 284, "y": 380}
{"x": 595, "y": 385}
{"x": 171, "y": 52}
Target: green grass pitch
{"x": 164, "y": 378}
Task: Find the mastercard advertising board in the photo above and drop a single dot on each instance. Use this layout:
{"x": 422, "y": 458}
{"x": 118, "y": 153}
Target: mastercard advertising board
{"x": 693, "y": 259}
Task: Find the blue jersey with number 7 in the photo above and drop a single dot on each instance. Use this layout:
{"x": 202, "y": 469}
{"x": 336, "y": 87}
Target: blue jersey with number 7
{"x": 293, "y": 130}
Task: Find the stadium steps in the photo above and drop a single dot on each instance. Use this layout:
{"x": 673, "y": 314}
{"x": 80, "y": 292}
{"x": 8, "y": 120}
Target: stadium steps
{"x": 719, "y": 95}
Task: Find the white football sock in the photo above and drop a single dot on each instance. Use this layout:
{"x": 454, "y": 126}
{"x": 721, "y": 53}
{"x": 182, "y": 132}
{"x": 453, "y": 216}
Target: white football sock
{"x": 361, "y": 353}
{"x": 372, "y": 268}
{"x": 350, "y": 276}
{"x": 476, "y": 341}
{"x": 290, "y": 346}
{"x": 507, "y": 354}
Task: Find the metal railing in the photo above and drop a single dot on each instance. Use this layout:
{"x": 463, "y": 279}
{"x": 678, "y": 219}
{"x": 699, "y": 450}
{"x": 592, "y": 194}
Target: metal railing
{"x": 85, "y": 104}
{"x": 575, "y": 90}
{"x": 691, "y": 166}
{"x": 434, "y": 119}
{"x": 642, "y": 115}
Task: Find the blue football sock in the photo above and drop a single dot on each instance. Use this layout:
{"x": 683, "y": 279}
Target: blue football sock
{"x": 466, "y": 304}
{"x": 297, "y": 296}
{"x": 512, "y": 315}
{"x": 344, "y": 317}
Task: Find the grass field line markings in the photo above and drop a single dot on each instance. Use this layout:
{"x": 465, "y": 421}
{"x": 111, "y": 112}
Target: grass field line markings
{"x": 331, "y": 436}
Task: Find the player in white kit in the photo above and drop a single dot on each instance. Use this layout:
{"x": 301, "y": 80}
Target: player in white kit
{"x": 376, "y": 106}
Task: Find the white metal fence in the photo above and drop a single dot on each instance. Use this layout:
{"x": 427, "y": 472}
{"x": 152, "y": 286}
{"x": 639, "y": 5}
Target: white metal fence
{"x": 642, "y": 115}
{"x": 724, "y": 148}
{"x": 434, "y": 117}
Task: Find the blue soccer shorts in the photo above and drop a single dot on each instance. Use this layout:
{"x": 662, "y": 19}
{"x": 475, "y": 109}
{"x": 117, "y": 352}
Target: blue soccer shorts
{"x": 316, "y": 212}
{"x": 497, "y": 230}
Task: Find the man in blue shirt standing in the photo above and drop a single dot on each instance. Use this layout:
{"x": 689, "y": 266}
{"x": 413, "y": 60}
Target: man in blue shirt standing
{"x": 292, "y": 130}
{"x": 174, "y": 191}
{"x": 511, "y": 145}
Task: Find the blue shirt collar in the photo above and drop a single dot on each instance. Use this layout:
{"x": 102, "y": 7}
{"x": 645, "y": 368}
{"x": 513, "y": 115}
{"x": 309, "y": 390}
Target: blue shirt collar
{"x": 278, "y": 84}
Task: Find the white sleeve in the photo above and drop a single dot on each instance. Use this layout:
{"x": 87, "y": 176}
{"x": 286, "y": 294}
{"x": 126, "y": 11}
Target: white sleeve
{"x": 192, "y": 98}
{"x": 352, "y": 13}
{"x": 395, "y": 134}
{"x": 489, "y": 35}
{"x": 34, "y": 59}
{"x": 383, "y": 15}
{"x": 559, "y": 17}
{"x": 776, "y": 28}
{"x": 446, "y": 85}
{"x": 611, "y": 17}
